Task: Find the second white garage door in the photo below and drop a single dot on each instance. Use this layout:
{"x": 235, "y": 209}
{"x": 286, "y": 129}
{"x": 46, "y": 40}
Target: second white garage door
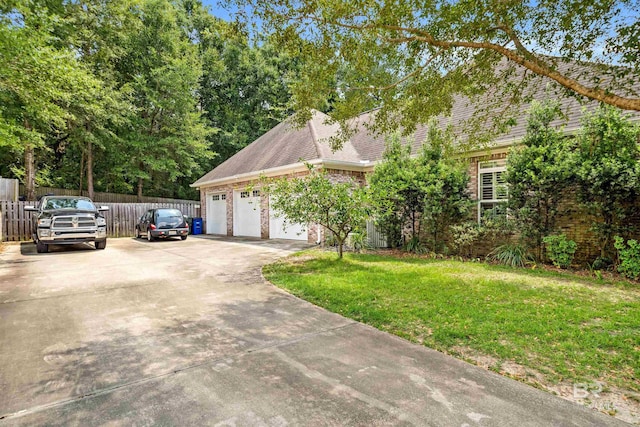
{"x": 246, "y": 213}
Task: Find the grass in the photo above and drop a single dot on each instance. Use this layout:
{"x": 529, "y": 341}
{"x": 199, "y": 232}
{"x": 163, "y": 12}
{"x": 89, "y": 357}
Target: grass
{"x": 566, "y": 328}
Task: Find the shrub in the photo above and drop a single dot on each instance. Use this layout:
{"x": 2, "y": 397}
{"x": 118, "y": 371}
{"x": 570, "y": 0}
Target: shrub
{"x": 415, "y": 245}
{"x": 358, "y": 241}
{"x": 629, "y": 256}
{"x": 464, "y": 236}
{"x": 602, "y": 263}
{"x": 511, "y": 254}
{"x": 560, "y": 250}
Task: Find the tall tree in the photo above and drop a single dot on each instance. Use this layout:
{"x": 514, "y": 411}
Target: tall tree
{"x": 41, "y": 86}
{"x": 167, "y": 137}
{"x": 434, "y": 51}
{"x": 96, "y": 30}
{"x": 244, "y": 88}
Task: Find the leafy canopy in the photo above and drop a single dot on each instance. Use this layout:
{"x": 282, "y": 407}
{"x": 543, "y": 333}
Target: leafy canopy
{"x": 412, "y": 59}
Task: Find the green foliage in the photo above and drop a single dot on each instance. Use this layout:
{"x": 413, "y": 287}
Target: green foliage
{"x": 358, "y": 240}
{"x": 539, "y": 175}
{"x": 426, "y": 193}
{"x": 411, "y": 59}
{"x": 125, "y": 95}
{"x": 315, "y": 198}
{"x": 629, "y": 256}
{"x": 560, "y": 250}
{"x": 414, "y": 245}
{"x": 465, "y": 236}
{"x": 493, "y": 231}
{"x": 511, "y": 254}
{"x": 607, "y": 166}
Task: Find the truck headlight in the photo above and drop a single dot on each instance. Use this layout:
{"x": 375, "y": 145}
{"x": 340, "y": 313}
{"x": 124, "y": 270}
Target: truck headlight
{"x": 43, "y": 232}
{"x": 101, "y": 222}
{"x": 44, "y": 222}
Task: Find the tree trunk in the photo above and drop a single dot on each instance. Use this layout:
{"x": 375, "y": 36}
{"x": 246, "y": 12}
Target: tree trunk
{"x": 29, "y": 168}
{"x": 89, "y": 169}
{"x": 81, "y": 173}
{"x": 140, "y": 183}
{"x": 340, "y": 245}
{"x": 29, "y": 173}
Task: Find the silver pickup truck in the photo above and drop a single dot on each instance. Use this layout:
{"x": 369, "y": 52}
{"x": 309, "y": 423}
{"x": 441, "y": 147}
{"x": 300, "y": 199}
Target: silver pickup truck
{"x": 65, "y": 220}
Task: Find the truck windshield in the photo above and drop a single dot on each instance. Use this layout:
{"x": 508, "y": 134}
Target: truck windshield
{"x": 68, "y": 203}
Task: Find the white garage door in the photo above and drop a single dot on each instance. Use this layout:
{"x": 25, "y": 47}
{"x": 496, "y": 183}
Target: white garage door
{"x": 246, "y": 213}
{"x": 277, "y": 230}
{"x": 216, "y": 214}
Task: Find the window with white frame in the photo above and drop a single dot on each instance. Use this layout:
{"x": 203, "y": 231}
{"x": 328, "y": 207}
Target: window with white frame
{"x": 492, "y": 189}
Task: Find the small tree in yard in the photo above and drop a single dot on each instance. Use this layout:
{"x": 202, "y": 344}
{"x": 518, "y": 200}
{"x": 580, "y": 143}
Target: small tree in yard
{"x": 607, "y": 164}
{"x": 339, "y": 207}
{"x": 538, "y": 174}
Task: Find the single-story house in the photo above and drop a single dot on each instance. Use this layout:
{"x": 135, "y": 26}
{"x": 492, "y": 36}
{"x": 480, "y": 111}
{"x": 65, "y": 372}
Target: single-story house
{"x": 229, "y": 209}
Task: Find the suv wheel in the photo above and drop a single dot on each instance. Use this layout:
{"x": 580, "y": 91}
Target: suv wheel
{"x": 41, "y": 248}
{"x": 183, "y": 237}
{"x": 149, "y": 236}
{"x": 101, "y": 245}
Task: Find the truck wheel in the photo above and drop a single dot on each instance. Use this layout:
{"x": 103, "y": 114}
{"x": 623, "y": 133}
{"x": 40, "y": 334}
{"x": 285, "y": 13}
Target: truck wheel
{"x": 101, "y": 245}
{"x": 41, "y": 248}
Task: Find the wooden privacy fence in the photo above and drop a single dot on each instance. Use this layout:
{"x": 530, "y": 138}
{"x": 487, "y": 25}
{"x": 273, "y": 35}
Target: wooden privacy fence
{"x": 15, "y": 223}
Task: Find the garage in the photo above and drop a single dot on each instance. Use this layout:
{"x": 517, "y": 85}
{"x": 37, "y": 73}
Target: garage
{"x": 217, "y": 213}
{"x": 246, "y": 213}
{"x": 278, "y": 231}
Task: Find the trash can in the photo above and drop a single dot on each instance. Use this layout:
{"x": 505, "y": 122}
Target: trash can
{"x": 197, "y": 226}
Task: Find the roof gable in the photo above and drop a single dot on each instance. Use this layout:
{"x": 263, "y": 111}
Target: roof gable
{"x": 283, "y": 145}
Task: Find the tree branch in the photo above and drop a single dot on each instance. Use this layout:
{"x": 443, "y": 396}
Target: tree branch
{"x": 520, "y": 56}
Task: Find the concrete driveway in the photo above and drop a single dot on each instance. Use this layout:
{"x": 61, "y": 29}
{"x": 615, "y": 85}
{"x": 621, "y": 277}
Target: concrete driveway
{"x": 188, "y": 333}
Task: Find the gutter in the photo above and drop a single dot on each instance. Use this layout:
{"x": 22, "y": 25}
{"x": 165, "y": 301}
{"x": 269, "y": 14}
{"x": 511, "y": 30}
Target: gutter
{"x": 362, "y": 166}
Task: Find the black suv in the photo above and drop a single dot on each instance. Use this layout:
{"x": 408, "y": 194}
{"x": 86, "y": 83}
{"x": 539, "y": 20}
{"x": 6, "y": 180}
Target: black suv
{"x": 66, "y": 220}
{"x": 162, "y": 223}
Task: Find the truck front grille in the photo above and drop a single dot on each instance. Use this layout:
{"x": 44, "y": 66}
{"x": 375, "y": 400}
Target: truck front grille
{"x": 73, "y": 221}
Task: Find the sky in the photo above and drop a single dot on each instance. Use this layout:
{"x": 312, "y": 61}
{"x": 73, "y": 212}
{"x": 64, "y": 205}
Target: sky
{"x": 217, "y": 9}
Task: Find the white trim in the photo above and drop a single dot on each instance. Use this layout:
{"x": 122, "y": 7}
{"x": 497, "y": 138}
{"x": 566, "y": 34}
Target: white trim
{"x": 287, "y": 169}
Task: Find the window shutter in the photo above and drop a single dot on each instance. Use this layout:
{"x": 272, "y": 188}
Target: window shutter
{"x": 486, "y": 186}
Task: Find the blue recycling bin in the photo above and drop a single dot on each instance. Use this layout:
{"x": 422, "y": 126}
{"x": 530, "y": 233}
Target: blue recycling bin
{"x": 196, "y": 227}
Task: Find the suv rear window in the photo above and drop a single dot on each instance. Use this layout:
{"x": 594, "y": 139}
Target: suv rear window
{"x": 168, "y": 218}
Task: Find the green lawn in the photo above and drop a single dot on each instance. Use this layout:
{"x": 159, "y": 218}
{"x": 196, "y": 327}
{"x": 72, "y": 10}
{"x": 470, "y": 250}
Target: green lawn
{"x": 565, "y": 327}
